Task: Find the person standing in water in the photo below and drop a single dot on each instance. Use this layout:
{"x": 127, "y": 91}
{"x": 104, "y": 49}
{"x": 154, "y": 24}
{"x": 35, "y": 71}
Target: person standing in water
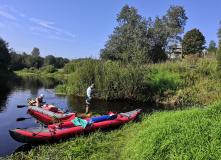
{"x": 89, "y": 97}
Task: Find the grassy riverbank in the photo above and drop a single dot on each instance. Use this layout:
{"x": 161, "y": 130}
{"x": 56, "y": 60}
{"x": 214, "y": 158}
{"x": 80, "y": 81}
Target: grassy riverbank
{"x": 193, "y": 133}
{"x": 189, "y": 81}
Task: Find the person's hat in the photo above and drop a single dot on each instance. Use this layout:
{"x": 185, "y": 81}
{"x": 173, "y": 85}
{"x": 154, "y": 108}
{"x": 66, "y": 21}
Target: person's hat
{"x": 92, "y": 85}
{"x": 42, "y": 95}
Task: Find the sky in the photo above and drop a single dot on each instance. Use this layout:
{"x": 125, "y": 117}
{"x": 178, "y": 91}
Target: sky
{"x": 79, "y": 29}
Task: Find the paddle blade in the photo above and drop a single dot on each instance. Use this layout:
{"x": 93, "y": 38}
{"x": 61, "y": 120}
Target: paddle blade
{"x": 21, "y": 119}
{"x": 21, "y": 106}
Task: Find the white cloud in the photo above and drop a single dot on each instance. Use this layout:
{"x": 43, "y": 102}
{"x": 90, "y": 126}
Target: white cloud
{"x": 16, "y": 11}
{"x": 40, "y": 29}
{"x": 48, "y": 25}
{"x": 6, "y": 15}
{"x": 10, "y": 8}
{"x": 70, "y": 34}
{"x": 44, "y": 23}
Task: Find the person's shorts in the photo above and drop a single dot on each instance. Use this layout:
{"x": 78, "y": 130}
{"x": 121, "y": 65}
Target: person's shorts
{"x": 88, "y": 102}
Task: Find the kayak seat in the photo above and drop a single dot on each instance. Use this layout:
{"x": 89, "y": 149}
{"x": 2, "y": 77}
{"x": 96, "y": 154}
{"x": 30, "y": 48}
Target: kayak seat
{"x": 53, "y": 109}
{"x": 129, "y": 114}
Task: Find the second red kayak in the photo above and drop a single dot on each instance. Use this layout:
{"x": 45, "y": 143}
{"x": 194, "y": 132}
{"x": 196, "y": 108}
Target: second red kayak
{"x": 49, "y": 115}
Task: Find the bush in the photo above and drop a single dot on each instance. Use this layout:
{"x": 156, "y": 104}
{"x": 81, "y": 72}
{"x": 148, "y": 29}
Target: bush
{"x": 50, "y": 69}
{"x": 70, "y": 67}
{"x": 218, "y": 57}
{"x": 32, "y": 70}
{"x": 60, "y": 88}
{"x": 25, "y": 70}
{"x": 164, "y": 83}
{"x": 192, "y": 58}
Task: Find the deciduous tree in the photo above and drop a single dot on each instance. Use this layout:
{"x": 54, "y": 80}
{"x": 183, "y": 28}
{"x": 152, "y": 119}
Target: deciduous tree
{"x": 212, "y": 47}
{"x": 16, "y": 61}
{"x": 166, "y": 30}
{"x": 4, "y": 55}
{"x": 218, "y": 55}
{"x": 193, "y": 42}
{"x": 135, "y": 34}
{"x": 219, "y": 31}
{"x": 35, "y": 53}
{"x": 49, "y": 60}
{"x": 129, "y": 35}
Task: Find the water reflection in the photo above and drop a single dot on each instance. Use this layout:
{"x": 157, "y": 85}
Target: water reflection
{"x": 36, "y": 82}
{"x": 5, "y": 85}
{"x": 8, "y": 85}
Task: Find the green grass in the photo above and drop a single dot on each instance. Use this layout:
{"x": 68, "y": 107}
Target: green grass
{"x": 188, "y": 134}
{"x": 193, "y": 133}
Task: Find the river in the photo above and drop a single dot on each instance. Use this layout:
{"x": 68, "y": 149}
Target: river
{"x": 15, "y": 91}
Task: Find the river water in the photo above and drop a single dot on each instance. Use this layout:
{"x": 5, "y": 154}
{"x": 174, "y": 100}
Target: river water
{"x": 15, "y": 91}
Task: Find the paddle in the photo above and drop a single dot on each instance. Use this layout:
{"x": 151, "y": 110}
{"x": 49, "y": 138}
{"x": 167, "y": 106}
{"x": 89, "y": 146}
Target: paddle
{"x": 22, "y": 119}
{"x": 21, "y": 106}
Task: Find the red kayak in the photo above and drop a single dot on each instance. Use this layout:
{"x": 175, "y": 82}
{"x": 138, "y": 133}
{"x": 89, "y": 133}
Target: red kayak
{"x": 76, "y": 126}
{"x": 49, "y": 115}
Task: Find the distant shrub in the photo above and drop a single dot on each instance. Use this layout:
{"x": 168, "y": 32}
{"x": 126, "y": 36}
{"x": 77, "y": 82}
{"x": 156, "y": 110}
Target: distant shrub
{"x": 42, "y": 69}
{"x": 69, "y": 67}
{"x": 25, "y": 70}
{"x": 32, "y": 70}
{"x": 192, "y": 58}
{"x": 61, "y": 89}
{"x": 50, "y": 69}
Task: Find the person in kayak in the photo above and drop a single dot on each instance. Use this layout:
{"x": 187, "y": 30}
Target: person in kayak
{"x": 39, "y": 100}
{"x": 89, "y": 97}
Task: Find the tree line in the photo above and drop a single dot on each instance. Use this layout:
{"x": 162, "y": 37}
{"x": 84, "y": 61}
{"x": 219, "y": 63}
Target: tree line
{"x": 13, "y": 61}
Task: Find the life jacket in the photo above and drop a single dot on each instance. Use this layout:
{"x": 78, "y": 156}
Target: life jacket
{"x": 31, "y": 102}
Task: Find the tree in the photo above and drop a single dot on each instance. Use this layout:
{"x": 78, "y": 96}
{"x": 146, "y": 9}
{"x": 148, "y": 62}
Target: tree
{"x": 212, "y": 47}
{"x": 219, "y": 31}
{"x": 60, "y": 62}
{"x": 35, "y": 53}
{"x": 129, "y": 35}
{"x": 166, "y": 30}
{"x": 135, "y": 35}
{"x": 36, "y": 62}
{"x": 16, "y": 61}
{"x": 4, "y": 55}
{"x": 193, "y": 42}
{"x": 49, "y": 60}
{"x": 218, "y": 57}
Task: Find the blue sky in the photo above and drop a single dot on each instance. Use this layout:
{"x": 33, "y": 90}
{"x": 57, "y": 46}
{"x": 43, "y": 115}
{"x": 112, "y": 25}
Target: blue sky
{"x": 78, "y": 29}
